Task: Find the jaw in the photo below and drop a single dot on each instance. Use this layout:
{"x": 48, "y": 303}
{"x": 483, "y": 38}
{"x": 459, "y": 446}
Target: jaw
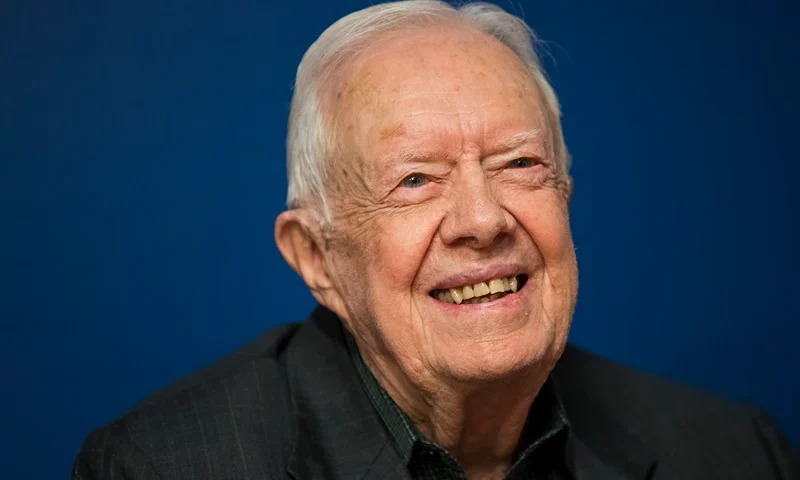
{"x": 487, "y": 340}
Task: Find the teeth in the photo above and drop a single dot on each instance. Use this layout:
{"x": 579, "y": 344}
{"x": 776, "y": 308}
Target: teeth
{"x": 456, "y": 294}
{"x": 480, "y": 292}
{"x": 496, "y": 286}
{"x": 468, "y": 293}
{"x": 481, "y": 289}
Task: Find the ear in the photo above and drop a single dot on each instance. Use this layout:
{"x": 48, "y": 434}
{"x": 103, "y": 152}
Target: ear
{"x": 564, "y": 184}
{"x": 570, "y": 188}
{"x": 300, "y": 241}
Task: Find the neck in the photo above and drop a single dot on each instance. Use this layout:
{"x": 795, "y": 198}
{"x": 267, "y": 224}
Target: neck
{"x": 479, "y": 424}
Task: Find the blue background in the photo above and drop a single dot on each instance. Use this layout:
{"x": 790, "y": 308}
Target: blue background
{"x": 142, "y": 166}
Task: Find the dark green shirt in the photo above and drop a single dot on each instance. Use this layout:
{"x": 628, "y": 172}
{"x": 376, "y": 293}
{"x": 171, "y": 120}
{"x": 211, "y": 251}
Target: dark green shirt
{"x": 540, "y": 454}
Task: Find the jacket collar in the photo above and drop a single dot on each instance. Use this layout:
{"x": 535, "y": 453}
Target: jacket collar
{"x": 340, "y": 435}
{"x": 599, "y": 444}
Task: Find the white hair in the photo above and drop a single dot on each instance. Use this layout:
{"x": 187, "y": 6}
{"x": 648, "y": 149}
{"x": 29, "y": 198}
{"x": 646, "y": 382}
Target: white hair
{"x": 310, "y": 141}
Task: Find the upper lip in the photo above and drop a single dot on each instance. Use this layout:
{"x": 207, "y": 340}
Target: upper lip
{"x": 479, "y": 275}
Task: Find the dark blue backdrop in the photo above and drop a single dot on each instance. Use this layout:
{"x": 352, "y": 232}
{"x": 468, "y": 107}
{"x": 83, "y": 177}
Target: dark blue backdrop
{"x": 142, "y": 166}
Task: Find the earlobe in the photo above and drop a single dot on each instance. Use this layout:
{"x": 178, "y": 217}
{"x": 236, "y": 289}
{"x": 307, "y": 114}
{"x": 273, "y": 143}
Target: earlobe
{"x": 299, "y": 238}
{"x": 566, "y": 186}
{"x": 287, "y": 228}
{"x": 300, "y": 241}
{"x": 295, "y": 239}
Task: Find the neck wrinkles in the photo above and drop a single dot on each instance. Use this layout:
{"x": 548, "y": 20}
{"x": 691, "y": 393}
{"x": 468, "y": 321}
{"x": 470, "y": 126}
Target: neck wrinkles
{"x": 479, "y": 425}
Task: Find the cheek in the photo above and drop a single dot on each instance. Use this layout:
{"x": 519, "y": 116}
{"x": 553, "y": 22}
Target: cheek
{"x": 401, "y": 244}
{"x": 393, "y": 253}
{"x": 548, "y": 226}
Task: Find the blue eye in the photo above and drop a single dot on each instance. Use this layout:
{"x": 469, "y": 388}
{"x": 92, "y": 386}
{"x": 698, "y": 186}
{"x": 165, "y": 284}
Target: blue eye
{"x": 415, "y": 180}
{"x": 523, "y": 162}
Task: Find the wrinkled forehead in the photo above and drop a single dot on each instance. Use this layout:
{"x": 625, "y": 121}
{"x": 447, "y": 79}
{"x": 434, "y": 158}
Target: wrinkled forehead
{"x": 455, "y": 74}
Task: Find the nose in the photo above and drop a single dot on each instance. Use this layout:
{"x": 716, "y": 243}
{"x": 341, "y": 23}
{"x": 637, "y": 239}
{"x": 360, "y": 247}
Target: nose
{"x": 475, "y": 217}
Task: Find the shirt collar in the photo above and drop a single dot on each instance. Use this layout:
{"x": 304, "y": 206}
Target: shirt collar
{"x": 401, "y": 429}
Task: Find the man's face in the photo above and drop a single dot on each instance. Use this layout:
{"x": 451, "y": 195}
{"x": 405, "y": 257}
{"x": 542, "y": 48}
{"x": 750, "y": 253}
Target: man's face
{"x": 446, "y": 178}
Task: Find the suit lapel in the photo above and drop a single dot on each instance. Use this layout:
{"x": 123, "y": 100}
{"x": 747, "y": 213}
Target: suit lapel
{"x": 339, "y": 434}
{"x": 585, "y": 464}
{"x": 599, "y": 445}
{"x": 388, "y": 465}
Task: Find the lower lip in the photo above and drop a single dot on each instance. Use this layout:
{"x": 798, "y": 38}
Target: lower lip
{"x": 509, "y": 301}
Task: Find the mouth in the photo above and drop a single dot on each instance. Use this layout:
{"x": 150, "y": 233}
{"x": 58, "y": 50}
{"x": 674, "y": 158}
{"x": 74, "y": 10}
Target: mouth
{"x": 481, "y": 292}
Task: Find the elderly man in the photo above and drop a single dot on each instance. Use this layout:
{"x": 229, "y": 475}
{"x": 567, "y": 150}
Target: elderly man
{"x": 428, "y": 214}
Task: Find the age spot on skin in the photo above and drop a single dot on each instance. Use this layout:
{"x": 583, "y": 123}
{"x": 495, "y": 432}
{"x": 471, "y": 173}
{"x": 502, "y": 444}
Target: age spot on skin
{"x": 395, "y": 130}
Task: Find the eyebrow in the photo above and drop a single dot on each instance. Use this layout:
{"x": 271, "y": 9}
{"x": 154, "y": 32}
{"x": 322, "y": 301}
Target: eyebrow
{"x": 415, "y": 154}
{"x": 518, "y": 139}
{"x": 411, "y": 155}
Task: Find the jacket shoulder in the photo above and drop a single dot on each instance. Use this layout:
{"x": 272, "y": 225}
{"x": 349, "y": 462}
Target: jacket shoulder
{"x": 590, "y": 376}
{"x": 231, "y": 419}
{"x": 691, "y": 431}
{"x": 268, "y": 346}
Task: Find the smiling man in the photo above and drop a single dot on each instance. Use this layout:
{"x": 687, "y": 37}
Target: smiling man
{"x": 428, "y": 215}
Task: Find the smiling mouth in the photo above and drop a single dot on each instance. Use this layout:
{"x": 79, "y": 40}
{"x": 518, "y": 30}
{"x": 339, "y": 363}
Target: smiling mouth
{"x": 482, "y": 292}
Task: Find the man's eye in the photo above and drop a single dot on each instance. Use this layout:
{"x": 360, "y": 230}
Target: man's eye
{"x": 523, "y": 162}
{"x": 415, "y": 180}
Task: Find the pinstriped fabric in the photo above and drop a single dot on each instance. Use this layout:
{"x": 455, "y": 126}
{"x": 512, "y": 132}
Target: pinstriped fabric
{"x": 290, "y": 405}
{"x": 199, "y": 421}
{"x": 235, "y": 429}
{"x": 218, "y": 428}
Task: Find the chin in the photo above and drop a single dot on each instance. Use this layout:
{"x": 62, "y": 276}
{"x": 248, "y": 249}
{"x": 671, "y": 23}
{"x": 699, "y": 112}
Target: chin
{"x": 502, "y": 358}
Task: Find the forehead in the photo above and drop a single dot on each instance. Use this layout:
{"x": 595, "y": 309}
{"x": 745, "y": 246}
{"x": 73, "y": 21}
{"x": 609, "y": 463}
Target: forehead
{"x": 425, "y": 82}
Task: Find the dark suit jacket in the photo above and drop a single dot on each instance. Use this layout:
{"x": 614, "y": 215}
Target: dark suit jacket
{"x": 290, "y": 405}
